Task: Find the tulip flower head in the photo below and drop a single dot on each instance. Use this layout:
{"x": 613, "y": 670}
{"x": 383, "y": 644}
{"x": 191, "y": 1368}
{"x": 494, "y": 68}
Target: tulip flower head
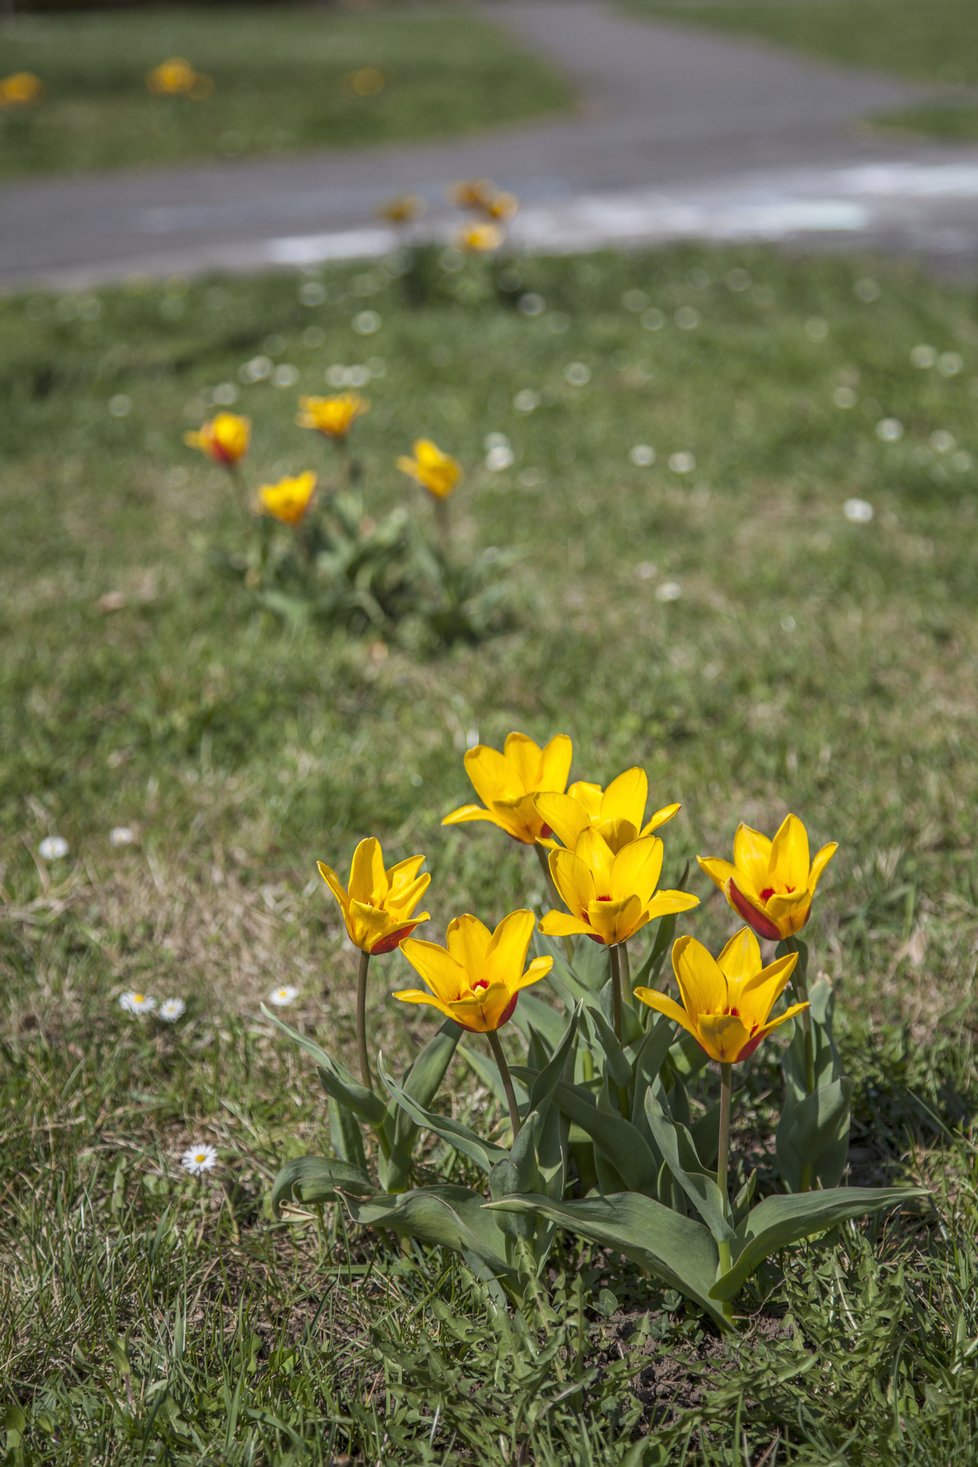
{"x": 332, "y": 416}
{"x": 508, "y": 781}
{"x": 172, "y": 78}
{"x": 289, "y": 499}
{"x": 480, "y": 239}
{"x": 473, "y": 193}
{"x": 379, "y": 903}
{"x": 617, "y": 813}
{"x": 403, "y": 210}
{"x": 501, "y": 207}
{"x": 771, "y": 883}
{"x": 20, "y": 89}
{"x": 433, "y": 470}
{"x": 225, "y": 438}
{"x": 477, "y": 978}
{"x": 610, "y": 894}
{"x": 726, "y": 1001}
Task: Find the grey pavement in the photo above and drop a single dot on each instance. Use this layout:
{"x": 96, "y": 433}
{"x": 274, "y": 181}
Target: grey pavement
{"x": 678, "y": 134}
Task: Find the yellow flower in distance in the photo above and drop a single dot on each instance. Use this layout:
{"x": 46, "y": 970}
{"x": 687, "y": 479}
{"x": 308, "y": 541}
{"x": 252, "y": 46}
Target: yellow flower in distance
{"x": 609, "y": 894}
{"x": 502, "y": 206}
{"x": 225, "y": 438}
{"x": 172, "y": 78}
{"x": 367, "y": 82}
{"x": 617, "y": 813}
{"x": 403, "y": 210}
{"x": 480, "y": 239}
{"x": 435, "y": 471}
{"x": 473, "y": 193}
{"x": 332, "y": 416}
{"x": 771, "y": 883}
{"x": 726, "y": 1000}
{"x": 377, "y": 905}
{"x": 19, "y": 89}
{"x": 508, "y": 781}
{"x": 478, "y": 977}
{"x": 289, "y": 499}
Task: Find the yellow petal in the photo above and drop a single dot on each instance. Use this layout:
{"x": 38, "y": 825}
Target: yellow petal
{"x": 723, "y": 1036}
{"x": 819, "y": 864}
{"x": 468, "y": 942}
{"x": 417, "y": 995}
{"x": 555, "y": 763}
{"x": 790, "y": 861}
{"x": 443, "y": 975}
{"x": 701, "y": 984}
{"x": 573, "y": 880}
{"x": 404, "y": 872}
{"x": 598, "y": 857}
{"x": 525, "y": 758}
{"x": 402, "y": 900}
{"x": 758, "y": 995}
{"x": 636, "y": 869}
{"x": 667, "y": 902}
{"x": 466, "y": 813}
{"x": 661, "y": 817}
{"x": 493, "y": 777}
{"x": 741, "y": 958}
{"x": 752, "y": 856}
{"x": 717, "y": 870}
{"x": 367, "y": 876}
{"x": 589, "y": 795}
{"x": 563, "y": 924}
{"x": 566, "y": 817}
{"x": 539, "y": 968}
{"x": 625, "y": 797}
{"x": 508, "y": 946}
{"x": 333, "y": 882}
{"x": 616, "y": 921}
{"x": 663, "y": 1004}
{"x": 796, "y": 1008}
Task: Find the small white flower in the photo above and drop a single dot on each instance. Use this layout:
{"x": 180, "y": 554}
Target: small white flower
{"x": 889, "y": 430}
{"x": 526, "y": 401}
{"x": 941, "y": 441}
{"x": 962, "y": 461}
{"x": 495, "y": 440}
{"x": 121, "y": 835}
{"x": 949, "y": 364}
{"x": 646, "y": 569}
{"x": 499, "y": 457}
{"x": 172, "y": 1009}
{"x": 285, "y": 375}
{"x": 258, "y": 369}
{"x": 923, "y": 356}
{"x": 53, "y": 848}
{"x": 858, "y": 511}
{"x": 844, "y": 397}
{"x": 137, "y": 1003}
{"x": 282, "y": 997}
{"x": 642, "y": 455}
{"x": 531, "y": 304}
{"x": 577, "y": 374}
{"x": 120, "y": 405}
{"x": 668, "y": 591}
{"x": 682, "y": 463}
{"x": 365, "y": 323}
{"x": 867, "y": 290}
{"x": 687, "y": 318}
{"x": 199, "y": 1159}
{"x": 312, "y": 293}
{"x": 653, "y": 319}
{"x": 225, "y": 394}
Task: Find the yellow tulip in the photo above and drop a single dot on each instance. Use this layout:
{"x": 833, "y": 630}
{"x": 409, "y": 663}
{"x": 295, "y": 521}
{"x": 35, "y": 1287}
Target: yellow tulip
{"x": 433, "y": 470}
{"x": 502, "y": 206}
{"x": 377, "y": 905}
{"x": 403, "y": 210}
{"x": 617, "y": 813}
{"x": 478, "y": 977}
{"x": 727, "y": 1000}
{"x": 610, "y": 894}
{"x": 173, "y": 78}
{"x": 289, "y": 499}
{"x": 473, "y": 193}
{"x": 332, "y": 416}
{"x": 19, "y": 89}
{"x": 480, "y": 239}
{"x": 771, "y": 883}
{"x": 507, "y": 783}
{"x": 225, "y": 438}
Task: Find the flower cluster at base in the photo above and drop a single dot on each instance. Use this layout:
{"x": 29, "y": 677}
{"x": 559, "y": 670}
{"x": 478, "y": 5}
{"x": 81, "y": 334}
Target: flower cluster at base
{"x": 647, "y": 1167}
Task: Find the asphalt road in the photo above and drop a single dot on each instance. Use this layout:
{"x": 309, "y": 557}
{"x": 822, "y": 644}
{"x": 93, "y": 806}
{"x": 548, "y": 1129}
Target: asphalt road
{"x": 679, "y": 133}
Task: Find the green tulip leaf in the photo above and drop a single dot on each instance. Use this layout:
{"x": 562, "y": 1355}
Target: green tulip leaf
{"x": 676, "y": 1249}
{"x": 813, "y": 1133}
{"x": 649, "y": 1059}
{"x": 778, "y": 1221}
{"x": 483, "y": 1153}
{"x": 312, "y": 1179}
{"x": 554, "y": 1070}
{"x": 337, "y": 1081}
{"x": 533, "y": 1013}
{"x": 422, "y": 1083}
{"x": 616, "y": 1141}
{"x": 451, "y": 1216}
{"x": 679, "y": 1153}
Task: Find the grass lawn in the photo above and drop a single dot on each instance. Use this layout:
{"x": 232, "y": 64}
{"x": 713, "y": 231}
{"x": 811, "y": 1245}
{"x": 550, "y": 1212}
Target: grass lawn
{"x": 284, "y": 81}
{"x": 929, "y": 40}
{"x": 716, "y": 615}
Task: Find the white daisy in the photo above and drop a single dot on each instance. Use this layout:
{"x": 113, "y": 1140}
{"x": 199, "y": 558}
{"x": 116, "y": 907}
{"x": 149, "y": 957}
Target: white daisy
{"x": 137, "y": 1003}
{"x": 282, "y": 997}
{"x": 858, "y": 511}
{"x": 121, "y": 835}
{"x": 199, "y": 1159}
{"x": 53, "y": 848}
{"x": 172, "y": 1009}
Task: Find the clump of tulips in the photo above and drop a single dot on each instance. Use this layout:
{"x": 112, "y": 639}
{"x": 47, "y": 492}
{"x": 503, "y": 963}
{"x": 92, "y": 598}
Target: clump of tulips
{"x": 318, "y": 553}
{"x": 609, "y": 1126}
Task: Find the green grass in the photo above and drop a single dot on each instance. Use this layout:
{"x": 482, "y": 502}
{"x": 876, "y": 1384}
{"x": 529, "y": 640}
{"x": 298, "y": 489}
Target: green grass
{"x": 281, "y": 83}
{"x": 927, "y": 40}
{"x": 807, "y": 662}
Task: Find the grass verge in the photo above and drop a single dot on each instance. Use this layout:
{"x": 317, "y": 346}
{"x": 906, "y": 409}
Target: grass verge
{"x": 698, "y": 440}
{"x": 285, "y": 80}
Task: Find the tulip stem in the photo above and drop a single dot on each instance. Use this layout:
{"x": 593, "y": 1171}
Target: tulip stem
{"x": 723, "y": 1161}
{"x": 616, "y": 1023}
{"x": 442, "y": 525}
{"x": 507, "y": 1079}
{"x": 362, "y": 1021}
{"x": 626, "y": 972}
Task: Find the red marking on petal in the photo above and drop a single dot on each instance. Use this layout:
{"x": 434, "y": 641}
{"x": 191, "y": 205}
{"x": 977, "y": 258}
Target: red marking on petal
{"x": 767, "y": 893}
{"x": 749, "y": 1048}
{"x": 761, "y": 924}
{"x": 545, "y": 832}
{"x": 392, "y": 940}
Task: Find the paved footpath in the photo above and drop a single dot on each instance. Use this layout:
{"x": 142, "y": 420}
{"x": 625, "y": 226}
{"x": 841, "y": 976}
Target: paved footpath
{"x": 679, "y": 133}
